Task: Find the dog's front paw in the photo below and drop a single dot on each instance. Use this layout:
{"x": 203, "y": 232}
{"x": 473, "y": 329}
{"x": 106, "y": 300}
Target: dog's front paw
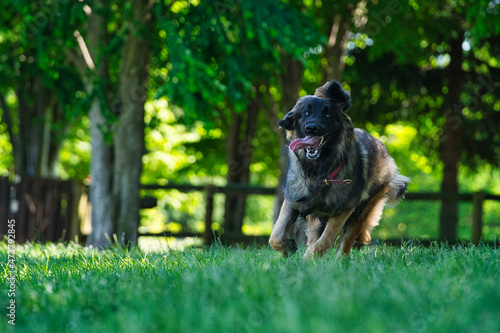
{"x": 290, "y": 246}
{"x": 286, "y": 246}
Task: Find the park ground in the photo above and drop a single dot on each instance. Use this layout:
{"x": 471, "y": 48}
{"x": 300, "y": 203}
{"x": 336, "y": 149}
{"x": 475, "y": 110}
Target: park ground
{"x": 409, "y": 288}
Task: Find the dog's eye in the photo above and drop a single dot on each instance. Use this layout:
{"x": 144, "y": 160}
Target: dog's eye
{"x": 308, "y": 110}
{"x": 325, "y": 112}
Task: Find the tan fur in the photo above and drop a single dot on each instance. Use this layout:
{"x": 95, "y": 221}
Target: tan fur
{"x": 327, "y": 238}
{"x": 278, "y": 235}
{"x": 314, "y": 228}
{"x": 368, "y": 219}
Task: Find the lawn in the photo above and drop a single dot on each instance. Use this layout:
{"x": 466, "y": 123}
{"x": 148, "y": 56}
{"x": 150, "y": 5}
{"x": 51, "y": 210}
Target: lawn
{"x": 378, "y": 289}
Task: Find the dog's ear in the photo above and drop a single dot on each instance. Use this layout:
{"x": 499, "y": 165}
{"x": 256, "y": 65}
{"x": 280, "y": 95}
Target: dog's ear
{"x": 288, "y": 123}
{"x": 335, "y": 92}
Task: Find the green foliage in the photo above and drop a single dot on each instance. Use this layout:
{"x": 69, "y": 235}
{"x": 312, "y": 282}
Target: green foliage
{"x": 483, "y": 16}
{"x": 5, "y": 151}
{"x": 44, "y": 93}
{"x": 403, "y": 74}
{"x": 218, "y": 52}
{"x": 378, "y": 289}
{"x": 33, "y": 39}
{"x": 74, "y": 157}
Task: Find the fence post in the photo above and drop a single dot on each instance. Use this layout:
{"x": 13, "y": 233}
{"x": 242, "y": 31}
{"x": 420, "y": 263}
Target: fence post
{"x": 208, "y": 235}
{"x": 477, "y": 217}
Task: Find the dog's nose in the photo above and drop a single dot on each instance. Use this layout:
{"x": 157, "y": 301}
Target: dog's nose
{"x": 311, "y": 128}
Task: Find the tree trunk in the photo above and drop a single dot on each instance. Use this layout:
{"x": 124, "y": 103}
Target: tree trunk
{"x": 103, "y": 205}
{"x": 291, "y": 81}
{"x": 451, "y": 145}
{"x": 129, "y": 133}
{"x": 35, "y": 149}
{"x": 101, "y": 163}
{"x": 336, "y": 49}
{"x": 239, "y": 158}
{"x": 234, "y": 170}
{"x": 117, "y": 165}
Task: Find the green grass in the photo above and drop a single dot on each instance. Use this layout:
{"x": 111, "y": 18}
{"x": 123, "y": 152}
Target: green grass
{"x": 378, "y": 289}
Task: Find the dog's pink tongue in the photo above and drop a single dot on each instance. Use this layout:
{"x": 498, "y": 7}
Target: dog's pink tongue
{"x": 308, "y": 141}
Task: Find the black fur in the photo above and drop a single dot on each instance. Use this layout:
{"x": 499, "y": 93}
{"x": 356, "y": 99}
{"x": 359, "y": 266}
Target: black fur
{"x": 329, "y": 118}
{"x": 335, "y": 93}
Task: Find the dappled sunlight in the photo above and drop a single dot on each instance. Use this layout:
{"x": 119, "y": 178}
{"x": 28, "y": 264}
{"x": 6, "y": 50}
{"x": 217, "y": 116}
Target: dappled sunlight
{"x": 485, "y": 178}
{"x": 400, "y": 135}
{"x": 166, "y": 140}
{"x": 165, "y": 244}
{"x": 176, "y": 211}
{"x": 263, "y": 229}
{"x": 5, "y": 150}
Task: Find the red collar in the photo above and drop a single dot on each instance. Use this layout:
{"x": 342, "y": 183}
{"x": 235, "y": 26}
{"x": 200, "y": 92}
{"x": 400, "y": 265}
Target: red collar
{"x": 333, "y": 174}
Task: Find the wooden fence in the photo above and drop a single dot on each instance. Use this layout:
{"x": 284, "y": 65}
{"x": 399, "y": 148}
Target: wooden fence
{"x": 210, "y": 191}
{"x": 476, "y": 198}
{"x": 53, "y": 210}
{"x": 42, "y": 209}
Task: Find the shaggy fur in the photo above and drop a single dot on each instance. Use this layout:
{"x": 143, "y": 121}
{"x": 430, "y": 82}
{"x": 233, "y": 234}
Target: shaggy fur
{"x": 322, "y": 139}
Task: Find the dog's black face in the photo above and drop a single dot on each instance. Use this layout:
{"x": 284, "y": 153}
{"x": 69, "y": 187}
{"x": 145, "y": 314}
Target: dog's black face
{"x": 317, "y": 120}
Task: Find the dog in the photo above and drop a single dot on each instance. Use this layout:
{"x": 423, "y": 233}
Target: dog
{"x": 338, "y": 177}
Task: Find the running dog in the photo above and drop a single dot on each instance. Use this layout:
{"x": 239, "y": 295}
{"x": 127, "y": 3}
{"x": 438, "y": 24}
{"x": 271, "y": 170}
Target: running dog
{"x": 338, "y": 178}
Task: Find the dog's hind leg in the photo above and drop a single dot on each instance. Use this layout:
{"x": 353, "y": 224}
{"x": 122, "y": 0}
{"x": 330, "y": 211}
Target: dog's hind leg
{"x": 360, "y": 228}
{"x": 278, "y": 239}
{"x": 327, "y": 238}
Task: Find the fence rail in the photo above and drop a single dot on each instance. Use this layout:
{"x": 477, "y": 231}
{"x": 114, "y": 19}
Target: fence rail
{"x": 210, "y": 191}
{"x": 476, "y": 198}
{"x": 50, "y": 209}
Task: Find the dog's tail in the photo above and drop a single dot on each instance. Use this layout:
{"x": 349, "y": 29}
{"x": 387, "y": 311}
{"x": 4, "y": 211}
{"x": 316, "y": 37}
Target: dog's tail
{"x": 397, "y": 189}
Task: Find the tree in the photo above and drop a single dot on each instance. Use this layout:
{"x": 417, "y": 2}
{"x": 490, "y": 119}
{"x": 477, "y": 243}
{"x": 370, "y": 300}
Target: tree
{"x": 117, "y": 117}
{"x": 324, "y": 61}
{"x": 424, "y": 44}
{"x": 234, "y": 50}
{"x": 38, "y": 82}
